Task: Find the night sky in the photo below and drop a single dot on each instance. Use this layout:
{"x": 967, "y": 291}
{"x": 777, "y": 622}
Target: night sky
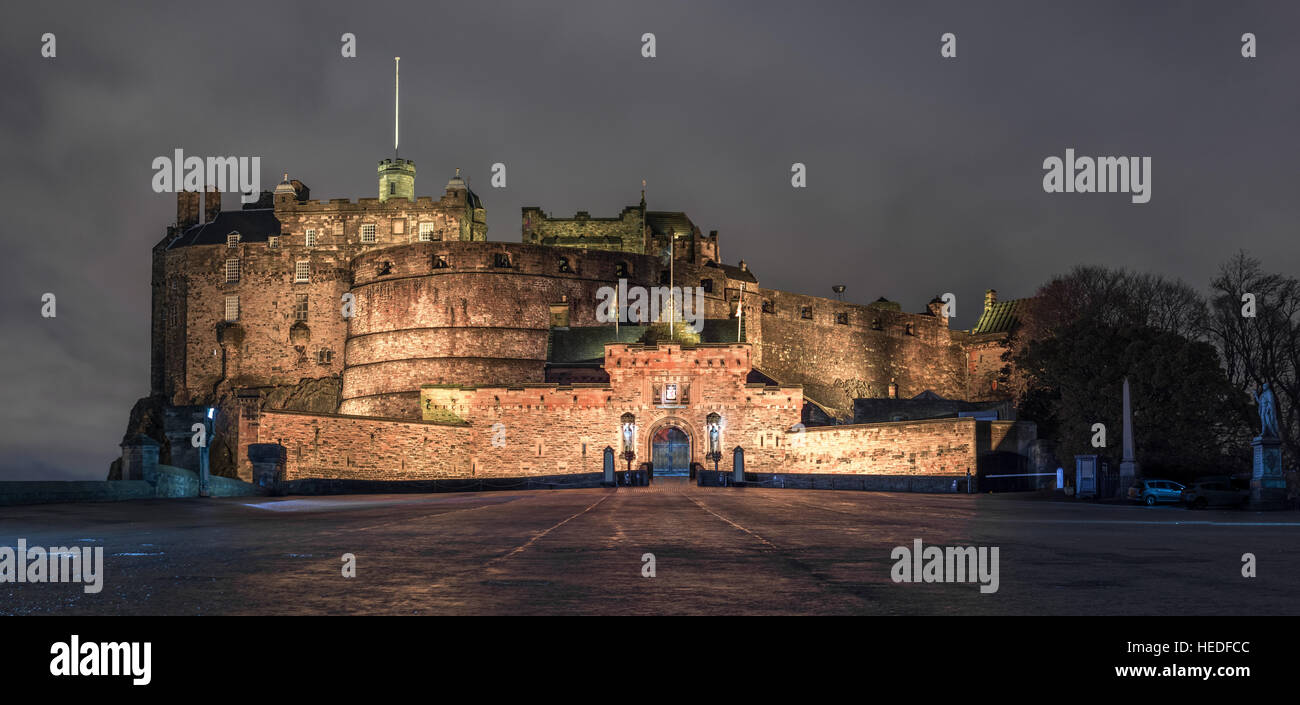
{"x": 924, "y": 173}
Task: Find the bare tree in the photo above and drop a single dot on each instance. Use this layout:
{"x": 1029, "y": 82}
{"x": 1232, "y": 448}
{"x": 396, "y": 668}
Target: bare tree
{"x": 1263, "y": 347}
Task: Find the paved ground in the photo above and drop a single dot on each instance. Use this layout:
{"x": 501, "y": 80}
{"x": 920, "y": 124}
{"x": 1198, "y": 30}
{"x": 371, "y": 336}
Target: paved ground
{"x": 716, "y": 551}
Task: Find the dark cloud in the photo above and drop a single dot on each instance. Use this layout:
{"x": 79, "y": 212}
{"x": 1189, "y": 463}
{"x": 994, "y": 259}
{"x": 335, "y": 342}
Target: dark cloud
{"x": 924, "y": 174}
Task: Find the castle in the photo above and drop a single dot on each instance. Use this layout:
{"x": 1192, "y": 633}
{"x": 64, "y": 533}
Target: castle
{"x": 388, "y": 338}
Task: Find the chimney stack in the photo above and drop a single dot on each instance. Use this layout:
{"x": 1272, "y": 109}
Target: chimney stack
{"x": 187, "y": 209}
{"x": 211, "y": 204}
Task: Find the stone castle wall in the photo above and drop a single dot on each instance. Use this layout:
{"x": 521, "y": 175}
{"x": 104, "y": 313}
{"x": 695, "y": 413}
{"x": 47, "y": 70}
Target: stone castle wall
{"x": 477, "y": 320}
{"x": 625, "y": 233}
{"x": 533, "y": 431}
{"x": 362, "y": 448}
{"x": 929, "y": 447}
{"x": 849, "y": 350}
{"x": 195, "y": 350}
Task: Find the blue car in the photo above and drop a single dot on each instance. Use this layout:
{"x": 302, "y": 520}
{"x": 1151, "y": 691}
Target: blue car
{"x": 1154, "y": 491}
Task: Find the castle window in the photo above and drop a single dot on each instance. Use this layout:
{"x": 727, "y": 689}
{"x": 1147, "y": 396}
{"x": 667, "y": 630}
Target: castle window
{"x": 805, "y": 312}
{"x": 564, "y": 265}
{"x": 385, "y": 268}
{"x": 842, "y": 318}
{"x": 232, "y": 271}
{"x": 875, "y": 324}
{"x": 399, "y": 226}
{"x": 620, "y": 269}
{"x": 769, "y": 307}
{"x": 392, "y": 188}
{"x": 426, "y": 232}
{"x": 707, "y": 285}
{"x": 325, "y": 356}
{"x": 501, "y": 259}
{"x": 439, "y": 262}
{"x": 663, "y": 277}
{"x": 232, "y": 240}
{"x": 309, "y": 239}
{"x": 232, "y": 308}
{"x": 302, "y": 271}
{"x": 172, "y": 315}
{"x": 300, "y": 307}
{"x": 368, "y": 232}
{"x": 273, "y": 242}
{"x": 910, "y": 329}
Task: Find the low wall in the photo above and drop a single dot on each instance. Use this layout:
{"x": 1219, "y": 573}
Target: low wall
{"x": 46, "y": 491}
{"x": 318, "y": 486}
{"x": 165, "y": 481}
{"x": 334, "y": 446}
{"x": 927, "y": 447}
{"x": 169, "y": 481}
{"x": 814, "y": 481}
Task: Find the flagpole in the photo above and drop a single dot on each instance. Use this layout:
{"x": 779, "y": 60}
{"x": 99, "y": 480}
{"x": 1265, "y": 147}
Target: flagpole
{"x": 397, "y": 80}
{"x": 672, "y": 266}
{"x": 740, "y": 312}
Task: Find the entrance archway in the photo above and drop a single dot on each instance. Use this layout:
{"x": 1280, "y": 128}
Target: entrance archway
{"x": 671, "y": 452}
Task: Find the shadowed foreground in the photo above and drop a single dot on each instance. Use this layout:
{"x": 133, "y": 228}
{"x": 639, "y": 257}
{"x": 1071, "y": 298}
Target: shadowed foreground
{"x": 716, "y": 551}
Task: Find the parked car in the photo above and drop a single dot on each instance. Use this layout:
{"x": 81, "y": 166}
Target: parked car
{"x": 1154, "y": 491}
{"x": 1214, "y": 492}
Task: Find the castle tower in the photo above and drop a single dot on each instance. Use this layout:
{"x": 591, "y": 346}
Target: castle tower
{"x": 396, "y": 175}
{"x": 396, "y": 179}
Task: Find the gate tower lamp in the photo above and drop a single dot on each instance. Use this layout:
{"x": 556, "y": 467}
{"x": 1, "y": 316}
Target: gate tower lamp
{"x": 629, "y": 438}
{"x": 714, "y": 425}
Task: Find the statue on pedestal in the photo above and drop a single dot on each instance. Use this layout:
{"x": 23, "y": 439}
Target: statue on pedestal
{"x": 1267, "y": 413}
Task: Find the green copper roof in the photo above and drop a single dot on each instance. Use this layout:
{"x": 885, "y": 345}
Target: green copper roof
{"x": 998, "y": 318}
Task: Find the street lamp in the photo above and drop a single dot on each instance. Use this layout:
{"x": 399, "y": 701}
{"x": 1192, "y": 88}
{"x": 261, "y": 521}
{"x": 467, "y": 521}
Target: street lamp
{"x": 629, "y": 439}
{"x": 209, "y": 423}
{"x": 713, "y": 422}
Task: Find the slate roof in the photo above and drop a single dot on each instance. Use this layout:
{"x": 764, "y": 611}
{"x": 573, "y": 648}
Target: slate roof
{"x": 1001, "y": 317}
{"x": 586, "y": 345}
{"x": 666, "y": 222}
{"x": 474, "y": 200}
{"x": 734, "y": 272}
{"x": 253, "y": 225}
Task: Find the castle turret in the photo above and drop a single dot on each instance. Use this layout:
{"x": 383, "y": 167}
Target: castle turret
{"x": 285, "y": 193}
{"x": 396, "y": 179}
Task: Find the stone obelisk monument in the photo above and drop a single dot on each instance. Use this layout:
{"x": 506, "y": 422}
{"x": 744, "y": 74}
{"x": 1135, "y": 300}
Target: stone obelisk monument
{"x": 1128, "y": 467}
